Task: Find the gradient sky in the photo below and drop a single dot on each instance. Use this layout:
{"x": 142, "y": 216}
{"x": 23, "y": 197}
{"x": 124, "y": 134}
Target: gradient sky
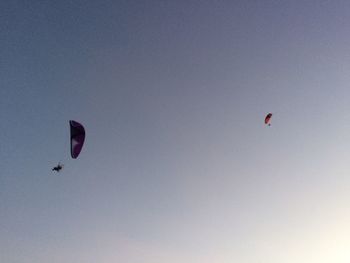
{"x": 178, "y": 165}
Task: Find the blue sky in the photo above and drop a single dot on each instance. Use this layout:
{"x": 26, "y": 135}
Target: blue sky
{"x": 178, "y": 165}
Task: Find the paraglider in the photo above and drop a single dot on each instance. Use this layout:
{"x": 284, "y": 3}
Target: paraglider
{"x": 268, "y": 119}
{"x": 77, "y": 139}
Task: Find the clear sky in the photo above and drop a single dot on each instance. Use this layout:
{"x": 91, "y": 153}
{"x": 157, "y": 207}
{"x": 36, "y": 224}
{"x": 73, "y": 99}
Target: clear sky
{"x": 177, "y": 165}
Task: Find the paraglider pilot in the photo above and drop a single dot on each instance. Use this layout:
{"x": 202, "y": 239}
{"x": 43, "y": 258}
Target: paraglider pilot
{"x": 58, "y": 168}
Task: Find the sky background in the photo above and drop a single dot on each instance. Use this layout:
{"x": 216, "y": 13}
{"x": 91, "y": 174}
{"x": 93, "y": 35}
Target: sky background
{"x": 177, "y": 165}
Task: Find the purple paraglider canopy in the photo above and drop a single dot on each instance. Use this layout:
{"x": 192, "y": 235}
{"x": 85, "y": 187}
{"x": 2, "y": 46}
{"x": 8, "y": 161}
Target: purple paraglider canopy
{"x": 77, "y": 138}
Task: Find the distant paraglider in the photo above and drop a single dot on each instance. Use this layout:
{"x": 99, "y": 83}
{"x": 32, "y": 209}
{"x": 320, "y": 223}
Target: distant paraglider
{"x": 268, "y": 119}
{"x": 77, "y": 139}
